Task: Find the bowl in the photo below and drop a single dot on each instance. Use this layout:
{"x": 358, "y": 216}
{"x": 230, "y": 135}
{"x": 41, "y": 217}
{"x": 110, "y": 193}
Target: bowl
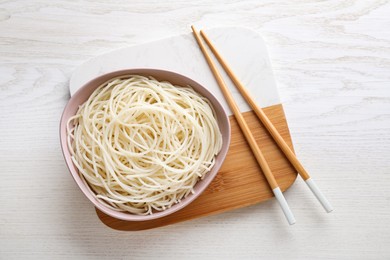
{"x": 176, "y": 79}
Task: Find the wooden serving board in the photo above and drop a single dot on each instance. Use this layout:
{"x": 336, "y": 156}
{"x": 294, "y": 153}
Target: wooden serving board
{"x": 240, "y": 181}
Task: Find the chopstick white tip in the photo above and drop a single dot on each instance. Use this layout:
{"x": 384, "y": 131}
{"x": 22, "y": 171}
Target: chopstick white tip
{"x": 283, "y": 204}
{"x": 319, "y": 195}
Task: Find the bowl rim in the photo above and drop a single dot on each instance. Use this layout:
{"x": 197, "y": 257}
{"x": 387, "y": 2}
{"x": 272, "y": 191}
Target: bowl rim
{"x": 222, "y": 119}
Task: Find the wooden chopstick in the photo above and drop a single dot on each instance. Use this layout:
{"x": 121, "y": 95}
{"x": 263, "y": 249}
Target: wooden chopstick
{"x": 270, "y": 127}
{"x": 247, "y": 133}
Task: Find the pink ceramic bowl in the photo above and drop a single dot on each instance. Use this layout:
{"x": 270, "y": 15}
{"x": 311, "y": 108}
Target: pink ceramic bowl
{"x": 82, "y": 95}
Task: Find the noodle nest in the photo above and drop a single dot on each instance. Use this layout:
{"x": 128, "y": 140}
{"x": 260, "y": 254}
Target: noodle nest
{"x": 141, "y": 145}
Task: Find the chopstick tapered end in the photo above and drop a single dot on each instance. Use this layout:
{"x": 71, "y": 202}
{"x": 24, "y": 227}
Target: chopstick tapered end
{"x": 283, "y": 204}
{"x": 319, "y": 195}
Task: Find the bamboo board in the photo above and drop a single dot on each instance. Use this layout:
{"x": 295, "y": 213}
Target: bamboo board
{"x": 239, "y": 183}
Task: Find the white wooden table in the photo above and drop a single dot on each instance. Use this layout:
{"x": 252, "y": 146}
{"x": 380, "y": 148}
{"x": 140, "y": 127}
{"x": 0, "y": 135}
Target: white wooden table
{"x": 332, "y": 64}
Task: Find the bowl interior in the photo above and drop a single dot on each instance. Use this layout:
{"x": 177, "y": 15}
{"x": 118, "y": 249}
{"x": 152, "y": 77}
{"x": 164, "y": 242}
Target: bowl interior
{"x": 82, "y": 95}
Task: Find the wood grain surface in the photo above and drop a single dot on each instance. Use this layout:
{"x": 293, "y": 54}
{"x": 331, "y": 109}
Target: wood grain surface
{"x": 240, "y": 181}
{"x": 332, "y": 64}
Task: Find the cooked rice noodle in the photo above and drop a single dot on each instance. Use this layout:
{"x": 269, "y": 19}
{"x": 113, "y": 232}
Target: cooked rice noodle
{"x": 141, "y": 145}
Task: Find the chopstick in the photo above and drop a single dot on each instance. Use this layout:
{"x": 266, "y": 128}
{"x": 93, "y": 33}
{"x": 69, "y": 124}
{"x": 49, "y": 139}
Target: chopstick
{"x": 247, "y": 133}
{"x": 271, "y": 128}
